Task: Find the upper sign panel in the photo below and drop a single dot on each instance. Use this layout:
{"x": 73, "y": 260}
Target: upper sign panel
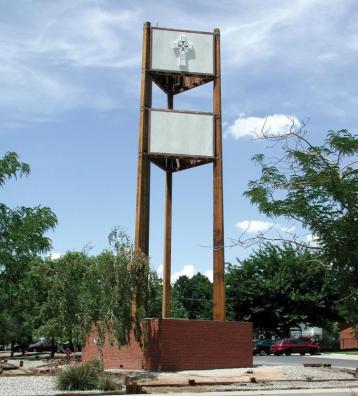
{"x": 182, "y": 51}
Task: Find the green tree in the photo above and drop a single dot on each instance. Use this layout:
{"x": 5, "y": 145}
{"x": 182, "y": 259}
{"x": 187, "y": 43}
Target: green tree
{"x": 278, "y": 288}
{"x": 22, "y": 237}
{"x": 60, "y": 284}
{"x": 118, "y": 294}
{"x": 317, "y": 186}
{"x": 111, "y": 292}
{"x": 194, "y": 295}
{"x": 154, "y": 296}
{"x": 177, "y": 309}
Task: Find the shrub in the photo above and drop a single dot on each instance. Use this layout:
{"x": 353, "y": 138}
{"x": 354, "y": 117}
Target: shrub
{"x": 96, "y": 364}
{"x": 107, "y": 383}
{"x": 79, "y": 377}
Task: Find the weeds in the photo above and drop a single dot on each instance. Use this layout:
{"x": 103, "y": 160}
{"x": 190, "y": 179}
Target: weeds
{"x": 107, "y": 383}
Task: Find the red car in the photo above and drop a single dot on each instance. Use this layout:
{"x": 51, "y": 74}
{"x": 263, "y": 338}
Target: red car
{"x": 295, "y": 345}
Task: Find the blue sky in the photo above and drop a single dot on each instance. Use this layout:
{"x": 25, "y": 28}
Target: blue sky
{"x": 69, "y": 106}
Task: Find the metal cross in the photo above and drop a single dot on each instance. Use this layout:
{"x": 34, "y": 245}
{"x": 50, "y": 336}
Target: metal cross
{"x": 182, "y": 47}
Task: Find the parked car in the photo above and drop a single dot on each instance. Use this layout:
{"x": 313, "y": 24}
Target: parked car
{"x": 40, "y": 346}
{"x": 263, "y": 347}
{"x": 295, "y": 345}
{"x": 253, "y": 347}
{"x": 17, "y": 347}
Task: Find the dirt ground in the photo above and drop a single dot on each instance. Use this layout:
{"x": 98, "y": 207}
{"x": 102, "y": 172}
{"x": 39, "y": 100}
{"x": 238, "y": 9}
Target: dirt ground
{"x": 214, "y": 376}
{"x": 261, "y": 377}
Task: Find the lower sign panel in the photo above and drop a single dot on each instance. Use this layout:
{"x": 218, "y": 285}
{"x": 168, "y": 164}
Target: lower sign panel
{"x": 181, "y": 134}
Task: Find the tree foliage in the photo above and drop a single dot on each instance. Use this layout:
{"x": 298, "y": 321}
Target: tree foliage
{"x": 59, "y": 303}
{"x": 11, "y": 166}
{"x": 111, "y": 292}
{"x": 22, "y": 230}
{"x": 317, "y": 186}
{"x": 278, "y": 288}
{"x": 22, "y": 237}
{"x": 192, "y": 297}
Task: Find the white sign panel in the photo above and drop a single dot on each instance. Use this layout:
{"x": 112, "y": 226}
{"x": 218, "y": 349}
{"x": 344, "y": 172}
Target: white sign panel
{"x": 181, "y": 51}
{"x": 179, "y": 133}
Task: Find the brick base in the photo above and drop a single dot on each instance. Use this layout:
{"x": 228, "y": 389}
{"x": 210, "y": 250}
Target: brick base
{"x": 179, "y": 344}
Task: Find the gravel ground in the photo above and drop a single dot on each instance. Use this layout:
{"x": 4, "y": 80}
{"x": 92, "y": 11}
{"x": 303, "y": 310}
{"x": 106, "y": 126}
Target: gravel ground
{"x": 315, "y": 373}
{"x": 291, "y": 377}
{"x": 27, "y": 385}
{"x": 31, "y": 385}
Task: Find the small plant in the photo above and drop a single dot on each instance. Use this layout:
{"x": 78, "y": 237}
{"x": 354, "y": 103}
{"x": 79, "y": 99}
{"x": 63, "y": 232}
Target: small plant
{"x": 107, "y": 383}
{"x": 79, "y": 377}
{"x": 96, "y": 365}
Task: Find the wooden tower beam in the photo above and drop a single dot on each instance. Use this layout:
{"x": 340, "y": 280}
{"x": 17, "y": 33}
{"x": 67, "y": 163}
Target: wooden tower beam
{"x": 167, "y": 235}
{"x": 218, "y": 204}
{"x": 143, "y": 179}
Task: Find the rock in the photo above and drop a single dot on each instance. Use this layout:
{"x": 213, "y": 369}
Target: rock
{"x": 7, "y": 366}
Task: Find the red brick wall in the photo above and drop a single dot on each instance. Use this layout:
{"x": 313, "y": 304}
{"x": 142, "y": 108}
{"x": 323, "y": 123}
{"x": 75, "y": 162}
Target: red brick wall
{"x": 178, "y": 344}
{"x": 127, "y": 357}
{"x": 152, "y": 344}
{"x": 205, "y": 344}
{"x": 346, "y": 338}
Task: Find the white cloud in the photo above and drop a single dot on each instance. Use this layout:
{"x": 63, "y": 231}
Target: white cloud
{"x": 258, "y": 226}
{"x": 209, "y": 275}
{"x": 288, "y": 229}
{"x": 188, "y": 270}
{"x": 276, "y": 124}
{"x": 67, "y": 55}
{"x": 260, "y": 30}
{"x": 160, "y": 271}
{"x": 52, "y": 61}
{"x": 311, "y": 239}
{"x": 254, "y": 226}
{"x": 276, "y": 32}
{"x": 55, "y": 255}
{"x": 92, "y": 37}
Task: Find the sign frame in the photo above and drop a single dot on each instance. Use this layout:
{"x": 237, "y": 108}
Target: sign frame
{"x": 177, "y": 155}
{"x": 180, "y": 72}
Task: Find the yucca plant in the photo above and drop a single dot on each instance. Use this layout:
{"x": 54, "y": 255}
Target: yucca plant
{"x": 80, "y": 377}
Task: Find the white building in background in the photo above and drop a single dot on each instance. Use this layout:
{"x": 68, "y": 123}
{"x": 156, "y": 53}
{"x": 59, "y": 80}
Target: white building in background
{"x": 307, "y": 331}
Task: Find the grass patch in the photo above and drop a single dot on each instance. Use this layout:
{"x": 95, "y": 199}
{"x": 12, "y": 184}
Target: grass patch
{"x": 350, "y": 352}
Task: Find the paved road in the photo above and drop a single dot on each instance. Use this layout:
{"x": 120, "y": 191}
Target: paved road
{"x": 295, "y": 360}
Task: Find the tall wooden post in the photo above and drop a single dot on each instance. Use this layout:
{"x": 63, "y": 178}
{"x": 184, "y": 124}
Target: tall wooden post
{"x": 143, "y": 178}
{"x": 167, "y": 234}
{"x": 218, "y": 205}
{"x": 167, "y": 246}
